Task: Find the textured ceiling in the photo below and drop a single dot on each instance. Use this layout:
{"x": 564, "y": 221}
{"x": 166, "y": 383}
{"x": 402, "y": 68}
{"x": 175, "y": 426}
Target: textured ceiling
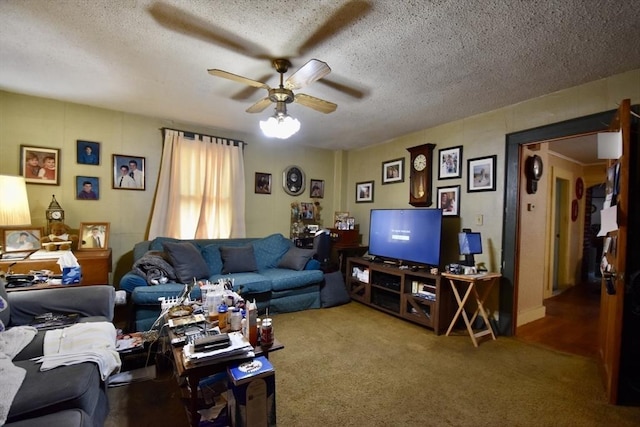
{"x": 397, "y": 66}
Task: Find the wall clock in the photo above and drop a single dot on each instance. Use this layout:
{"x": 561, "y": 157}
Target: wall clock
{"x": 420, "y": 175}
{"x": 293, "y": 180}
{"x": 54, "y": 213}
{"x": 579, "y": 188}
{"x": 533, "y": 171}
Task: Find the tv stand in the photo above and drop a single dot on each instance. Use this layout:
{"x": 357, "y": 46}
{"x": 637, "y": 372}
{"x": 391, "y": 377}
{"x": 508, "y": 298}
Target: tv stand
{"x": 414, "y": 295}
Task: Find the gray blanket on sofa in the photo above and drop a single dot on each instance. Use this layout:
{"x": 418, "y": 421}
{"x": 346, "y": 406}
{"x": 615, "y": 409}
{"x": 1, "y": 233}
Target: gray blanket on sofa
{"x": 154, "y": 268}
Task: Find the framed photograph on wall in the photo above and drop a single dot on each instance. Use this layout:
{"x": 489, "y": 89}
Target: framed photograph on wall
{"x": 263, "y": 183}
{"x": 364, "y": 192}
{"x": 128, "y": 172}
{"x": 87, "y": 152}
{"x": 450, "y": 163}
{"x": 21, "y": 239}
{"x": 93, "y": 236}
{"x": 481, "y": 173}
{"x": 39, "y": 165}
{"x": 449, "y": 200}
{"x": 87, "y": 188}
{"x": 393, "y": 171}
{"x": 317, "y": 188}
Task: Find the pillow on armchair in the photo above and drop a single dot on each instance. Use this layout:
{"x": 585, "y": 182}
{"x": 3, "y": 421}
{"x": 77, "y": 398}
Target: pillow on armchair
{"x": 187, "y": 261}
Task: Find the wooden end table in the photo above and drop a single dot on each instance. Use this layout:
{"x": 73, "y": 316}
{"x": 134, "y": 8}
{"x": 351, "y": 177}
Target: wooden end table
{"x": 193, "y": 374}
{"x": 472, "y": 281}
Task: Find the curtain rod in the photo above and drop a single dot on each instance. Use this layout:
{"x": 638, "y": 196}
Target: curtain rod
{"x": 193, "y": 134}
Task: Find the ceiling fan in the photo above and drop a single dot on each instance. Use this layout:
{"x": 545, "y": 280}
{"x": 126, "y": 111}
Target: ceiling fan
{"x": 283, "y": 94}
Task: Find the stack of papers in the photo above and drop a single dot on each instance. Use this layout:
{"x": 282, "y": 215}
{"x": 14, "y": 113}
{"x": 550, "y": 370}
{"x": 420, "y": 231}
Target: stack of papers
{"x": 239, "y": 348}
{"x": 45, "y": 254}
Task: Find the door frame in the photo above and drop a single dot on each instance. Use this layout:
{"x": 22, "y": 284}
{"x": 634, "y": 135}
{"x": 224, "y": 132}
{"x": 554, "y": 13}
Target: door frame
{"x": 508, "y": 299}
{"x": 558, "y": 257}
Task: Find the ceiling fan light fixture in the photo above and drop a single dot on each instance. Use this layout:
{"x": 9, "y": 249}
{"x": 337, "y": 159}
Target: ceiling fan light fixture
{"x": 280, "y": 125}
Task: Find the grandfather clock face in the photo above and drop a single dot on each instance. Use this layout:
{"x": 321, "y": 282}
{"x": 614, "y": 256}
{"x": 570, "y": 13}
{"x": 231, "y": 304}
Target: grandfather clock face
{"x": 420, "y": 175}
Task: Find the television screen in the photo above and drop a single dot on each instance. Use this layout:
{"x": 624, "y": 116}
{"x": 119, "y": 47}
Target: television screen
{"x": 411, "y": 235}
{"x": 470, "y": 243}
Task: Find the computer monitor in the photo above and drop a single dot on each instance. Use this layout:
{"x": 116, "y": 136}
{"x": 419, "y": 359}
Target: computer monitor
{"x": 470, "y": 244}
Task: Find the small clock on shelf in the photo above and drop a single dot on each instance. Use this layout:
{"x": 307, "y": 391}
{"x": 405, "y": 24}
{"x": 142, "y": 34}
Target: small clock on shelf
{"x": 54, "y": 213}
{"x": 293, "y": 180}
{"x": 420, "y": 175}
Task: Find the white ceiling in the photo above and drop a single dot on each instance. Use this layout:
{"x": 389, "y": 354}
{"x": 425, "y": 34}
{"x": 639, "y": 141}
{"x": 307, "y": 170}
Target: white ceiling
{"x": 402, "y": 65}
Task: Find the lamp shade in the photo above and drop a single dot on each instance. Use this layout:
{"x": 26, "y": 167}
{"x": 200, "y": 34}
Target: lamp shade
{"x": 14, "y": 204}
{"x": 280, "y": 126}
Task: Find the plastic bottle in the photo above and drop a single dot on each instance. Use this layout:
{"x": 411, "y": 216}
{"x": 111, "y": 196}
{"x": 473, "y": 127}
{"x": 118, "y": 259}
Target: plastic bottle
{"x": 222, "y": 316}
{"x": 252, "y": 322}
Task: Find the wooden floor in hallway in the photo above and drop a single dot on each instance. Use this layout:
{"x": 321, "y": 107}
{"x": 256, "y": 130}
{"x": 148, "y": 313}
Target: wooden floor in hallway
{"x": 571, "y": 322}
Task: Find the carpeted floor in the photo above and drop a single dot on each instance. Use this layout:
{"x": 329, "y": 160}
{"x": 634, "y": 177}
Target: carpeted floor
{"x": 355, "y": 366}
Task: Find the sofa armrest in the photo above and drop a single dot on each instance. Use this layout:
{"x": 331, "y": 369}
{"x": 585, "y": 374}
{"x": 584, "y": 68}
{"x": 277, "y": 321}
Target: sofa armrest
{"x": 98, "y": 300}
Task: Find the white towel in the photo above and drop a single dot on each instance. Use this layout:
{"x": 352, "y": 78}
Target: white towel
{"x": 79, "y": 343}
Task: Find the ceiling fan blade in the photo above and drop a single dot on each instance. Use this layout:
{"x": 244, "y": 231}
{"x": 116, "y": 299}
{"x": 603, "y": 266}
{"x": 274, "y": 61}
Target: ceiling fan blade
{"x": 315, "y": 103}
{"x": 250, "y": 92}
{"x": 259, "y": 106}
{"x": 307, "y": 74}
{"x": 237, "y": 78}
{"x": 339, "y": 20}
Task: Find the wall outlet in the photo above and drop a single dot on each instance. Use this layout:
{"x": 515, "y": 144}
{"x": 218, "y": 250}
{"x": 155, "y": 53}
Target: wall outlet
{"x": 479, "y": 219}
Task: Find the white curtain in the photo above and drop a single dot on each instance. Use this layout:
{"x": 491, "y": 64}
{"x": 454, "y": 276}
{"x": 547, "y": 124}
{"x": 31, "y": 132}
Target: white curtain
{"x": 201, "y": 188}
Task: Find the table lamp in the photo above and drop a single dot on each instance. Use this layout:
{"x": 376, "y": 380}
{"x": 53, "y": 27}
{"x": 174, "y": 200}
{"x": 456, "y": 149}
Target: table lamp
{"x": 14, "y": 204}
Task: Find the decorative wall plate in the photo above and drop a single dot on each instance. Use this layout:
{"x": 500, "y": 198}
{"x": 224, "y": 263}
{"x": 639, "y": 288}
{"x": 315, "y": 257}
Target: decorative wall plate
{"x": 293, "y": 180}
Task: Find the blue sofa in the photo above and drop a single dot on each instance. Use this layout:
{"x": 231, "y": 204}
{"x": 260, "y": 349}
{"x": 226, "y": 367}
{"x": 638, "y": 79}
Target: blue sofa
{"x": 283, "y": 279}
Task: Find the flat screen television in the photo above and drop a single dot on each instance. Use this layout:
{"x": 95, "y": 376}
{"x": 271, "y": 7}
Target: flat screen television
{"x": 469, "y": 244}
{"x": 406, "y": 235}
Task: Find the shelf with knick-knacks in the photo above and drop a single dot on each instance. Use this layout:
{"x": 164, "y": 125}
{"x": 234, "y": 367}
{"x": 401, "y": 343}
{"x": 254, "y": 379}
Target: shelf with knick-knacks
{"x": 305, "y": 219}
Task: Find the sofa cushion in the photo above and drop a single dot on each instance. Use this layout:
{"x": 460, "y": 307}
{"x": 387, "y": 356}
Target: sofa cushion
{"x": 284, "y": 278}
{"x": 333, "y": 291}
{"x": 157, "y": 244}
{"x": 296, "y": 258}
{"x": 67, "y": 418}
{"x": 67, "y": 387}
{"x": 187, "y": 261}
{"x": 269, "y": 250}
{"x": 211, "y": 255}
{"x": 148, "y": 295}
{"x": 238, "y": 259}
{"x": 243, "y": 283}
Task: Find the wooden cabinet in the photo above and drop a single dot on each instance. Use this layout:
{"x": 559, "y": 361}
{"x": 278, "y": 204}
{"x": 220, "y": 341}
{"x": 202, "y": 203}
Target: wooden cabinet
{"x": 417, "y": 296}
{"x": 95, "y": 266}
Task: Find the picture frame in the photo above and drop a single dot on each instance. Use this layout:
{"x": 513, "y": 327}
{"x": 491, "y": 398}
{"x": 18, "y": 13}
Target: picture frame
{"x": 316, "y": 188}
{"x": 449, "y": 200}
{"x": 307, "y": 211}
{"x": 263, "y": 183}
{"x": 481, "y": 173}
{"x": 40, "y": 165}
{"x": 87, "y": 152}
{"x": 340, "y": 220}
{"x": 22, "y": 239}
{"x": 87, "y": 187}
{"x": 128, "y": 172}
{"x": 364, "y": 192}
{"x": 93, "y": 236}
{"x": 450, "y": 163}
{"x": 393, "y": 171}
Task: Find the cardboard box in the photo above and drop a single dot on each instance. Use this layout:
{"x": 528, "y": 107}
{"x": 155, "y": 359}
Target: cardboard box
{"x": 252, "y": 393}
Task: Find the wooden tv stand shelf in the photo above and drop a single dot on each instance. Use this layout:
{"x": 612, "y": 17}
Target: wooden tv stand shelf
{"x": 390, "y": 289}
{"x": 95, "y": 266}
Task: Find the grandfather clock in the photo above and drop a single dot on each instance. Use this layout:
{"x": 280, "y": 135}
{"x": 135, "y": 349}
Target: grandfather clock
{"x": 420, "y": 175}
{"x": 54, "y": 213}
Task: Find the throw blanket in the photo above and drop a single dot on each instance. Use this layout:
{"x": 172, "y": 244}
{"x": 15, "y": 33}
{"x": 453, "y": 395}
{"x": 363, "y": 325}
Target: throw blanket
{"x": 12, "y": 341}
{"x": 154, "y": 268}
{"x": 82, "y": 342}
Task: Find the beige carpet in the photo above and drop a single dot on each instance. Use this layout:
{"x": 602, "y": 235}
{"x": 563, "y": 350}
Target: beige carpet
{"x": 355, "y": 366}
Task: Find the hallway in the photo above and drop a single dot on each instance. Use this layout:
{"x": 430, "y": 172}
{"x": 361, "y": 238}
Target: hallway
{"x": 570, "y": 324}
